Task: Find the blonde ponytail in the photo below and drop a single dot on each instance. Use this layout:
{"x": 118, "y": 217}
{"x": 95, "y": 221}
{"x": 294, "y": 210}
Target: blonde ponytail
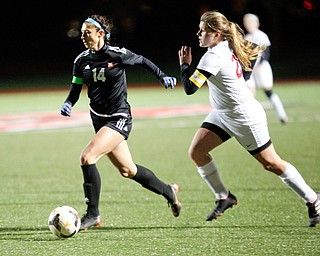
{"x": 244, "y": 50}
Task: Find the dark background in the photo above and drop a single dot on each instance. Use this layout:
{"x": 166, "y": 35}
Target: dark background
{"x": 39, "y": 38}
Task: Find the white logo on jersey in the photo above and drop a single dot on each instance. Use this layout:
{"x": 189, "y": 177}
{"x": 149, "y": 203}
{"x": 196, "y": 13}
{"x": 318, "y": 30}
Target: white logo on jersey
{"x": 87, "y": 67}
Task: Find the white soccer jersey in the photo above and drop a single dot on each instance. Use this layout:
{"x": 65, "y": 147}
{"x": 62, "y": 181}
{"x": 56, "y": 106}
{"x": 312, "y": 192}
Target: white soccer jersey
{"x": 227, "y": 86}
{"x": 262, "y": 76}
{"x": 258, "y": 37}
{"x": 235, "y": 109}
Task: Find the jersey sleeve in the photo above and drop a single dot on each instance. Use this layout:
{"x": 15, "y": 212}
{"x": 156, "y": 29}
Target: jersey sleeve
{"x": 191, "y": 83}
{"x": 130, "y": 58}
{"x": 210, "y": 62}
{"x": 208, "y": 65}
{"x": 76, "y": 84}
{"x": 76, "y": 71}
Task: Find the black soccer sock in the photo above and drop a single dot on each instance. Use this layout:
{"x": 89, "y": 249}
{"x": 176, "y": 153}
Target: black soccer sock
{"x": 149, "y": 180}
{"x": 91, "y": 187}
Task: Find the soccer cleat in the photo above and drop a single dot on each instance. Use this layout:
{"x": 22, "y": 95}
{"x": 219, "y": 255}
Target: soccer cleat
{"x": 314, "y": 212}
{"x": 221, "y": 206}
{"x": 87, "y": 222}
{"x": 175, "y": 204}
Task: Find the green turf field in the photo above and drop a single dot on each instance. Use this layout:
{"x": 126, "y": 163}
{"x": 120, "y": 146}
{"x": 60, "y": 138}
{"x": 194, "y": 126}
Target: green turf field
{"x": 39, "y": 170}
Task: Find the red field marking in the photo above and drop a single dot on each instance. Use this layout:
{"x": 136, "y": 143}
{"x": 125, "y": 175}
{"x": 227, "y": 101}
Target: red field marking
{"x": 53, "y": 120}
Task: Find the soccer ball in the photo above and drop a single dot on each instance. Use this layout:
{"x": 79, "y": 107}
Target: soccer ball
{"x": 64, "y": 221}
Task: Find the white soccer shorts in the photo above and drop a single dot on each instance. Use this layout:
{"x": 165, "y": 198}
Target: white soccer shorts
{"x": 248, "y": 125}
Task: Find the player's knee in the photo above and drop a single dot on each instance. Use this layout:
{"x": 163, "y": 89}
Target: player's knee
{"x": 192, "y": 153}
{"x": 198, "y": 156}
{"x": 86, "y": 158}
{"x": 274, "y": 168}
{"x": 267, "y": 167}
{"x": 127, "y": 172}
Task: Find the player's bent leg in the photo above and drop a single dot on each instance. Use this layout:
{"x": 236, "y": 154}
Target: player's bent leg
{"x": 293, "y": 179}
{"x": 91, "y": 187}
{"x": 101, "y": 144}
{"x": 147, "y": 179}
{"x": 203, "y": 142}
{"x": 121, "y": 158}
{"x": 277, "y": 104}
{"x": 271, "y": 161}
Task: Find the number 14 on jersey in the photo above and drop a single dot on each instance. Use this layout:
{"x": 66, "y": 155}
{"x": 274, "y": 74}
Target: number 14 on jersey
{"x": 99, "y": 75}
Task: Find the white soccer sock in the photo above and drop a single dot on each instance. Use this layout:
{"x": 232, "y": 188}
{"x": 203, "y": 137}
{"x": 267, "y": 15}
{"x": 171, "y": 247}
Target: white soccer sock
{"x": 277, "y": 104}
{"x": 295, "y": 181}
{"x": 211, "y": 176}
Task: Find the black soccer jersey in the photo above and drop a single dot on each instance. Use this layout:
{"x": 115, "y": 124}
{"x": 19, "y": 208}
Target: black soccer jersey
{"x": 104, "y": 74}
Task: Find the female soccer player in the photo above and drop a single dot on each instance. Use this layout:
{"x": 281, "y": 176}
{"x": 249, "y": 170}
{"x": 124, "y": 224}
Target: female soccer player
{"x": 235, "y": 111}
{"x": 262, "y": 76}
{"x": 102, "y": 68}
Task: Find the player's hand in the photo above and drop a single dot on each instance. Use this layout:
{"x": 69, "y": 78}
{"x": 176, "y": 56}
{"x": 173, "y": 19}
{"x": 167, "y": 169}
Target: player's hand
{"x": 66, "y": 109}
{"x": 185, "y": 55}
{"x": 168, "y": 82}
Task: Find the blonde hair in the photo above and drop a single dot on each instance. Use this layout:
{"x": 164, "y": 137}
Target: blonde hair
{"x": 244, "y": 50}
